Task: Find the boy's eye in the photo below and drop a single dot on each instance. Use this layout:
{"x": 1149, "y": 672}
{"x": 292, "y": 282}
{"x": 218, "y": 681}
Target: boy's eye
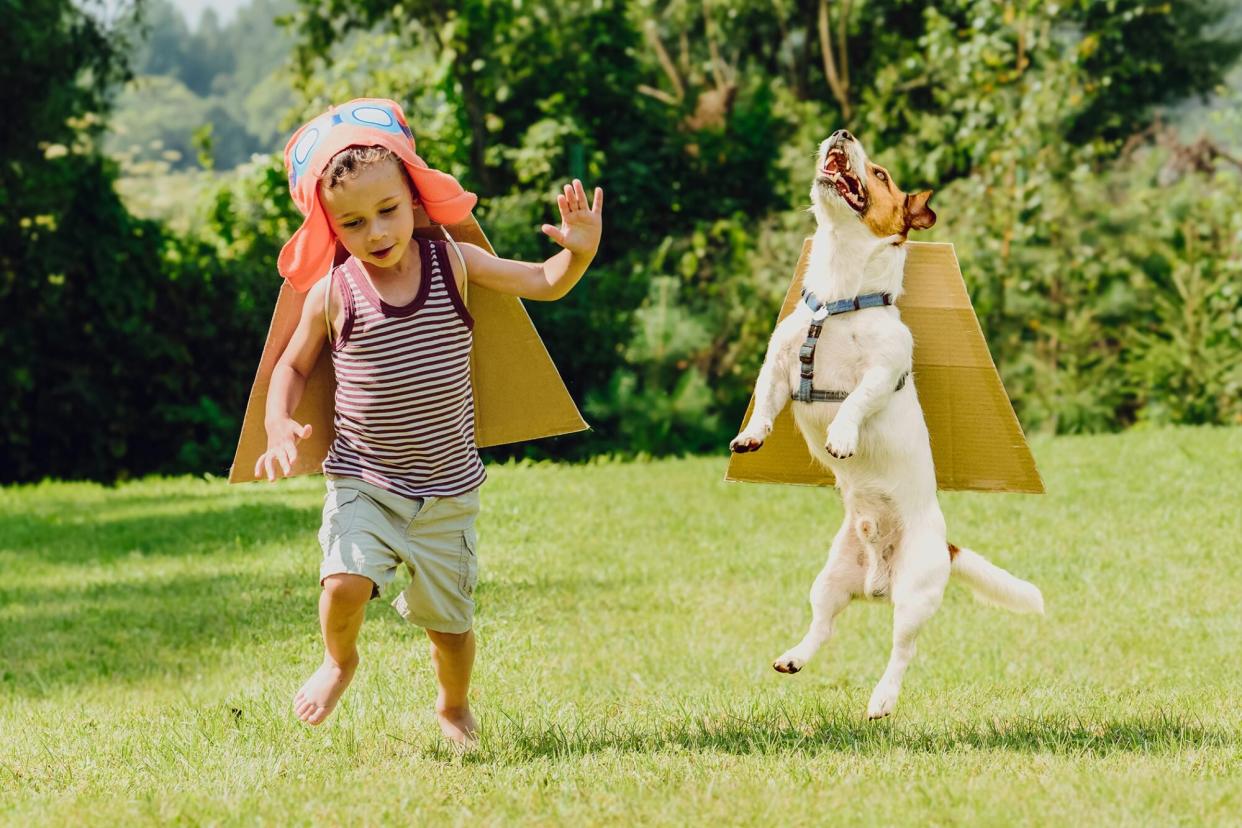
{"x": 352, "y": 223}
{"x": 388, "y": 209}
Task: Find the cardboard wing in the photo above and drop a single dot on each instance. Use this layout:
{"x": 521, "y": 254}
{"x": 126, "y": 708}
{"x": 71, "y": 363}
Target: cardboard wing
{"x": 976, "y": 440}
{"x": 518, "y": 394}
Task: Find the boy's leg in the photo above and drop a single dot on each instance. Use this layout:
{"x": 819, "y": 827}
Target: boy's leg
{"x": 342, "y": 606}
{"x": 452, "y": 655}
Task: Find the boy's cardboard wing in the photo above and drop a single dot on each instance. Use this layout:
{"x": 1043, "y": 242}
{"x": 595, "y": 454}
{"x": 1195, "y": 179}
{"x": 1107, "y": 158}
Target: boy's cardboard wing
{"x": 518, "y": 394}
{"x": 976, "y": 441}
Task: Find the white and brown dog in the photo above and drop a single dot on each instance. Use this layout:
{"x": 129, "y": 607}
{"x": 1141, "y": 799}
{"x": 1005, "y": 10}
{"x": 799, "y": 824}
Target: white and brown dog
{"x": 863, "y": 420}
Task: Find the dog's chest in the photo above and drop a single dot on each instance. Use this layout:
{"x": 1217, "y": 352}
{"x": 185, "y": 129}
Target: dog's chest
{"x": 841, "y": 354}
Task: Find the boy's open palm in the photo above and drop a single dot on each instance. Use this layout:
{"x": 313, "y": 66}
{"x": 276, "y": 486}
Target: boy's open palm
{"x": 580, "y": 224}
{"x": 282, "y": 448}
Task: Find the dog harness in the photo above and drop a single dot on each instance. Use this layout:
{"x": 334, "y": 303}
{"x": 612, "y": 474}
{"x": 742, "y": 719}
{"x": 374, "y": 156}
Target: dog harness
{"x": 806, "y": 355}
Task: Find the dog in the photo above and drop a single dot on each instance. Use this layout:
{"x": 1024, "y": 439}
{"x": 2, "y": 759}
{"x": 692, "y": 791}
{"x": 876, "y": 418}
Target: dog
{"x": 863, "y": 420}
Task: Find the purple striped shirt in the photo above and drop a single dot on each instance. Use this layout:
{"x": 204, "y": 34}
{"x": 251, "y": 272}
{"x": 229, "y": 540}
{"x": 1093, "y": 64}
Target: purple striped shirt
{"x": 404, "y": 406}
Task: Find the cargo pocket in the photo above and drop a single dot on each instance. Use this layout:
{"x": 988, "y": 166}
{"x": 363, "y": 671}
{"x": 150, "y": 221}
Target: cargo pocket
{"x": 469, "y": 563}
{"x": 338, "y": 518}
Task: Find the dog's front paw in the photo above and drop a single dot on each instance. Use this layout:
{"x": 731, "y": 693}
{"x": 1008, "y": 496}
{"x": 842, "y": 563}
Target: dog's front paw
{"x": 842, "y": 439}
{"x": 789, "y": 663}
{"x": 749, "y": 440}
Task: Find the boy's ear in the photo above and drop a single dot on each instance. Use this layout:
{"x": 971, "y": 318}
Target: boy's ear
{"x": 919, "y": 216}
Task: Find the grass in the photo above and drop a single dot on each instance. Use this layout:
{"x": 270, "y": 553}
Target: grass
{"x": 152, "y": 635}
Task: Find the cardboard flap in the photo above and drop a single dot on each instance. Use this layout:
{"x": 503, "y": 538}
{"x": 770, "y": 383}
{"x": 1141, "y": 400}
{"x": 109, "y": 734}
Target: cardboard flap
{"x": 977, "y": 443}
{"x": 518, "y": 393}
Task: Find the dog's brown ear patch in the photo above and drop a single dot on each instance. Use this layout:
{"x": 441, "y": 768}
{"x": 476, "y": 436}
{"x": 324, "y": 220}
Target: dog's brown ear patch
{"x": 919, "y": 216}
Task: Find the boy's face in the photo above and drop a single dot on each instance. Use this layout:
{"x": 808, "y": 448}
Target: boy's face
{"x": 372, "y": 213}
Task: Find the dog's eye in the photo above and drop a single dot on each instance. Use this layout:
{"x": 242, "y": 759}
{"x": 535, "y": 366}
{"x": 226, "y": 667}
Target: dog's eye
{"x": 880, "y": 174}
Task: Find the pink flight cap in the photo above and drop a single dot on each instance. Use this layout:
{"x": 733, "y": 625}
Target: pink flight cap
{"x": 364, "y": 122}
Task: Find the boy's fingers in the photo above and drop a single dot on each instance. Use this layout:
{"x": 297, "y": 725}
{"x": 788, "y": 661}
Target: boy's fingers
{"x": 290, "y": 454}
{"x": 258, "y": 466}
{"x": 303, "y": 431}
{"x": 268, "y": 460}
{"x": 553, "y": 233}
{"x": 599, "y": 200}
{"x": 563, "y": 204}
{"x": 569, "y": 197}
{"x": 580, "y": 194}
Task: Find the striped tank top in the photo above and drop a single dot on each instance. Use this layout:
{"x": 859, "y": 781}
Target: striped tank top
{"x": 404, "y": 407}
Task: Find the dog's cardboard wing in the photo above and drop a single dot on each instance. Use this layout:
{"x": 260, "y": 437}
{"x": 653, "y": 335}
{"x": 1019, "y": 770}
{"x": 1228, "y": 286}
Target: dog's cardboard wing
{"x": 976, "y": 441}
{"x": 518, "y": 394}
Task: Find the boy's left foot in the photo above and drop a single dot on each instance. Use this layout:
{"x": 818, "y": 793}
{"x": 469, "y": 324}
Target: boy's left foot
{"x": 458, "y": 726}
{"x": 318, "y": 697}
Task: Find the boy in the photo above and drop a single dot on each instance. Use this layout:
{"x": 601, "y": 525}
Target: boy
{"x": 403, "y": 472}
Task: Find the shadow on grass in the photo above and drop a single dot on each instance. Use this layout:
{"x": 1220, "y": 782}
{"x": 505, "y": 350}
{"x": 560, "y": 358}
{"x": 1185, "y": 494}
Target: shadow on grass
{"x": 771, "y": 732}
{"x": 73, "y": 538}
{"x": 136, "y": 617}
{"x": 150, "y": 628}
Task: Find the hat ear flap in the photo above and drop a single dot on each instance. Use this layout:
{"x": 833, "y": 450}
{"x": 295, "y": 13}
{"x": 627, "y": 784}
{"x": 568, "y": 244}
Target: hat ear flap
{"x": 309, "y": 253}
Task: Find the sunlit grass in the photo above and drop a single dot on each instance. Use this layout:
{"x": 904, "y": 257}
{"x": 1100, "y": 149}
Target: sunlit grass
{"x": 152, "y": 635}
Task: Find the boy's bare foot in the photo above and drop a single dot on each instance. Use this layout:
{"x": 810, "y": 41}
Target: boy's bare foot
{"x": 458, "y": 726}
{"x": 318, "y": 697}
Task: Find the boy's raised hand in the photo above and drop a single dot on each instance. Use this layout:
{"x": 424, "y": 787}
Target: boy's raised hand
{"x": 580, "y": 224}
{"x": 282, "y": 447}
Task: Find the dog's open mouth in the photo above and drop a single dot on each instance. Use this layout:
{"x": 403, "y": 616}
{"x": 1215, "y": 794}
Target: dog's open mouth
{"x": 837, "y": 172}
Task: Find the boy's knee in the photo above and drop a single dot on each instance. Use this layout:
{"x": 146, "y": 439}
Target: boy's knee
{"x": 348, "y": 589}
{"x": 450, "y": 641}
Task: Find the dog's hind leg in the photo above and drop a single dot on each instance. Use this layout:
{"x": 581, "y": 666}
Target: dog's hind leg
{"x": 920, "y": 574}
{"x": 837, "y": 582}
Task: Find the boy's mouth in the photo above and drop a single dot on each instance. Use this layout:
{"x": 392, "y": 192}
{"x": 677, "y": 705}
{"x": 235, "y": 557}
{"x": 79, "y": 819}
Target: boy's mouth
{"x": 383, "y": 251}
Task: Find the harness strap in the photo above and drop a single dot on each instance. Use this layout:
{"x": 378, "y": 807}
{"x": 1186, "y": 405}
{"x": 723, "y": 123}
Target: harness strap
{"x": 839, "y": 396}
{"x": 806, "y": 354}
{"x": 823, "y": 310}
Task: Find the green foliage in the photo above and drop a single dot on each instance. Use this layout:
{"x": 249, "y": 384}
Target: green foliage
{"x": 1104, "y": 270}
{"x": 229, "y": 76}
{"x": 1071, "y": 257}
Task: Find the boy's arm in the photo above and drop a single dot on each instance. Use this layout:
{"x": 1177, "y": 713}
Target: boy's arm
{"x": 578, "y": 233}
{"x": 287, "y": 384}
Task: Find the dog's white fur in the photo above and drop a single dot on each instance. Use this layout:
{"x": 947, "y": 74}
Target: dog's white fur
{"x": 892, "y": 543}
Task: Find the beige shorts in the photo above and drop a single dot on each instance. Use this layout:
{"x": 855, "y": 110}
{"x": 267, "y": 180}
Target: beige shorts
{"x": 371, "y": 532}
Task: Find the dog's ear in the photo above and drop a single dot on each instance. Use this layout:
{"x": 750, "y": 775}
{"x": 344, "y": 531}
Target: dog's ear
{"x": 919, "y": 216}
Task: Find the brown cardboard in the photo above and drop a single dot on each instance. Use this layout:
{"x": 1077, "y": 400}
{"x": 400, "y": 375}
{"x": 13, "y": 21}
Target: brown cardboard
{"x": 518, "y": 394}
{"x": 977, "y": 443}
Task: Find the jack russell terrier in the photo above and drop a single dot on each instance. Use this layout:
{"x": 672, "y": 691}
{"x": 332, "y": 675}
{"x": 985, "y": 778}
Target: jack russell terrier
{"x": 843, "y": 357}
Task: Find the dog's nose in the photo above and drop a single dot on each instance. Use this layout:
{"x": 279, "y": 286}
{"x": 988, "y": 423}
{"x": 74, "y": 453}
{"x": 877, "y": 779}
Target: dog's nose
{"x": 843, "y": 134}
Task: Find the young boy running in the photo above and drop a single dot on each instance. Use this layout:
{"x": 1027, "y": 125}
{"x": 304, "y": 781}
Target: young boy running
{"x": 402, "y": 472}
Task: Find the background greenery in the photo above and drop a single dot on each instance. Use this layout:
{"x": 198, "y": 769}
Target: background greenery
{"x": 1084, "y": 155}
{"x": 156, "y": 631}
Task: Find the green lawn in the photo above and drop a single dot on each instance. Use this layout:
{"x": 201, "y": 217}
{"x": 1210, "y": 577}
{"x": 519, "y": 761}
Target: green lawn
{"x": 153, "y": 634}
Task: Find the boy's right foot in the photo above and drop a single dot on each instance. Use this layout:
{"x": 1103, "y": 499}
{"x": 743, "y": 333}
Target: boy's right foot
{"x": 458, "y": 726}
{"x": 318, "y": 697}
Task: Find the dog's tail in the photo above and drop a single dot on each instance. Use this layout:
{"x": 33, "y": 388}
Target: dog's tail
{"x": 993, "y": 585}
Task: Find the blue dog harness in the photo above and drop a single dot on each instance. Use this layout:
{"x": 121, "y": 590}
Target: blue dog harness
{"x": 819, "y": 312}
